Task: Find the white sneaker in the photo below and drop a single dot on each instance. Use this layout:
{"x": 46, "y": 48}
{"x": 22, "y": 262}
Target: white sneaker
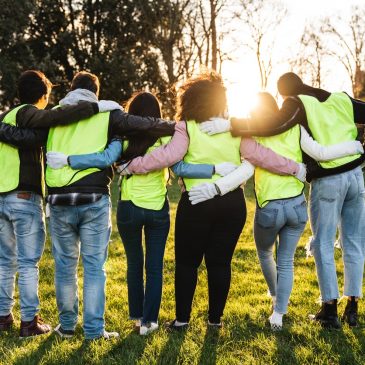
{"x": 109, "y": 335}
{"x": 148, "y": 328}
{"x": 276, "y": 321}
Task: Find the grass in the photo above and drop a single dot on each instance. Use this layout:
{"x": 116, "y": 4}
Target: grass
{"x": 245, "y": 338}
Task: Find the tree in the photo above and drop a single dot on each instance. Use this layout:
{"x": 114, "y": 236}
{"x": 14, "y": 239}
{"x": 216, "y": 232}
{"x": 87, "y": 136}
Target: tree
{"x": 261, "y": 20}
{"x": 313, "y": 51}
{"x": 348, "y": 46}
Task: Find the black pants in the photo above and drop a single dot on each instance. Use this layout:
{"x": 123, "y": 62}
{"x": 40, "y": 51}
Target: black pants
{"x": 211, "y": 230}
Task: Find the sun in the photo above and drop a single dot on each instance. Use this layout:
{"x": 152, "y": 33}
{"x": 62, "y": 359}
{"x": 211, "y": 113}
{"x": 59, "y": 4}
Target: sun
{"x": 242, "y": 83}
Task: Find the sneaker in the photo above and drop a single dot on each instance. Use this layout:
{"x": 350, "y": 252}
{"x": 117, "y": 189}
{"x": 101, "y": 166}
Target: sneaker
{"x": 215, "y": 325}
{"x": 147, "y": 328}
{"x": 35, "y": 327}
{"x": 276, "y": 321}
{"x": 171, "y": 326}
{"x": 6, "y": 322}
{"x": 350, "y": 313}
{"x": 64, "y": 333}
{"x": 327, "y": 316}
{"x": 109, "y": 335}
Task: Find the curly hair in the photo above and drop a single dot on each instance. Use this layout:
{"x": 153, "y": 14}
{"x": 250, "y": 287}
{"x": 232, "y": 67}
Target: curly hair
{"x": 201, "y": 98}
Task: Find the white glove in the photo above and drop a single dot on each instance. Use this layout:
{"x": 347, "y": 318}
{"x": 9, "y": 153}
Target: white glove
{"x": 225, "y": 168}
{"x": 360, "y": 147}
{"x": 302, "y": 172}
{"x": 215, "y": 125}
{"x": 202, "y": 192}
{"x": 233, "y": 180}
{"x": 56, "y": 160}
{"x": 123, "y": 169}
{"x": 108, "y": 105}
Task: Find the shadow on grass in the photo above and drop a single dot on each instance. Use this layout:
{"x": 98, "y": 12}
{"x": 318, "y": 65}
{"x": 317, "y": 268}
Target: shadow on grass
{"x": 170, "y": 352}
{"x": 128, "y": 350}
{"x": 208, "y": 353}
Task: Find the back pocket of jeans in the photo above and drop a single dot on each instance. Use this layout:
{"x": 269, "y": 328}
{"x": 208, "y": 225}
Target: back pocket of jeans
{"x": 301, "y": 211}
{"x": 266, "y": 217}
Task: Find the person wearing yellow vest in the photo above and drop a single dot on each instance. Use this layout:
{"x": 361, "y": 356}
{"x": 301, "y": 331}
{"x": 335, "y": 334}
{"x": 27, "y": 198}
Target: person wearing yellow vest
{"x": 208, "y": 230}
{"x": 22, "y": 230}
{"x": 281, "y": 208}
{"x": 80, "y": 205}
{"x": 337, "y": 187}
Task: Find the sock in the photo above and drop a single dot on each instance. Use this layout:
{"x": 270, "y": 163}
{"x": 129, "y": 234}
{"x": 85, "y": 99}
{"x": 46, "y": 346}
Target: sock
{"x": 273, "y": 298}
{"x": 138, "y": 323}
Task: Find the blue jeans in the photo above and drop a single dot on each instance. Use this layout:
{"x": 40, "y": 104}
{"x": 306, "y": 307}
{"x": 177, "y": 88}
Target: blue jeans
{"x": 338, "y": 200}
{"x": 286, "y": 220}
{"x": 144, "y": 303}
{"x": 22, "y": 237}
{"x": 84, "y": 228}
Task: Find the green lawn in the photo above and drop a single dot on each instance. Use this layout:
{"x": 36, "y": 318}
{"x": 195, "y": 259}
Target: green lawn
{"x": 245, "y": 339}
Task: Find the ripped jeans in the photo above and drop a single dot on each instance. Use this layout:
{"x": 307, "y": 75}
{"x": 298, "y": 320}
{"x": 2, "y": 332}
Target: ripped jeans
{"x": 338, "y": 200}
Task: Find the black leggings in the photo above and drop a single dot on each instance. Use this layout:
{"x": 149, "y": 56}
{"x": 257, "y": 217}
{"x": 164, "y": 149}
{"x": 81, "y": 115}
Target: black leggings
{"x": 211, "y": 230}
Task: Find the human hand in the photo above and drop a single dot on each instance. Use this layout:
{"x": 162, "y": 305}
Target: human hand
{"x": 224, "y": 168}
{"x": 56, "y": 160}
{"x": 215, "y": 125}
{"x": 202, "y": 192}
{"x": 123, "y": 169}
{"x": 108, "y": 105}
{"x": 302, "y": 172}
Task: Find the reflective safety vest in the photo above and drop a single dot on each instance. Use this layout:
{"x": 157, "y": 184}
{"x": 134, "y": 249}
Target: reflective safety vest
{"x": 206, "y": 149}
{"x": 9, "y": 158}
{"x": 146, "y": 190}
{"x": 331, "y": 122}
{"x": 86, "y": 136}
{"x": 270, "y": 186}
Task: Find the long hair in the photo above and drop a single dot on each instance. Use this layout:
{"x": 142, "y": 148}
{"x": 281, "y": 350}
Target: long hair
{"x": 266, "y": 104}
{"x": 143, "y": 104}
{"x": 201, "y": 98}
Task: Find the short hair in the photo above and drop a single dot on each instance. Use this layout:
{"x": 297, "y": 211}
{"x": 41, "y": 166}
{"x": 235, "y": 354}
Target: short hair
{"x": 32, "y": 85}
{"x": 290, "y": 84}
{"x": 201, "y": 97}
{"x": 86, "y": 80}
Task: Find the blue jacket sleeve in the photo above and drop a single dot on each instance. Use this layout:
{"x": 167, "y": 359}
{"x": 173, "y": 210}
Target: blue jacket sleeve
{"x": 100, "y": 160}
{"x": 197, "y": 171}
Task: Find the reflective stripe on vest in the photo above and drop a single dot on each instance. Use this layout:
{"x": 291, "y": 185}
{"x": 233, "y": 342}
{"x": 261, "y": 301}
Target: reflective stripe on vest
{"x": 9, "y": 158}
{"x": 86, "y": 136}
{"x": 146, "y": 190}
{"x": 269, "y": 186}
{"x": 331, "y": 122}
{"x": 206, "y": 149}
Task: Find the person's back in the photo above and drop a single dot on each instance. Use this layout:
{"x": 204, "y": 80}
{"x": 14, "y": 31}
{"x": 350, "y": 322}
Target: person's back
{"x": 335, "y": 199}
{"x": 80, "y": 218}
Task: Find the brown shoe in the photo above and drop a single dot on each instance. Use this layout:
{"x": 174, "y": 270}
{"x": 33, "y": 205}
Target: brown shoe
{"x": 34, "y": 328}
{"x": 6, "y": 322}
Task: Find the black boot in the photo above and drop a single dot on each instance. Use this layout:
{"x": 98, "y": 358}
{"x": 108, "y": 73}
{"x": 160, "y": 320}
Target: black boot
{"x": 350, "y": 313}
{"x": 327, "y": 316}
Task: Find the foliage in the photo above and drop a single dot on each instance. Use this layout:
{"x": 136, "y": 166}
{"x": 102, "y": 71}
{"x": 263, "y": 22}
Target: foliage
{"x": 245, "y": 339}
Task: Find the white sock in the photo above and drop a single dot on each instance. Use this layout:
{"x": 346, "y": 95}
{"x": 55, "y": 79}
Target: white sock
{"x": 276, "y": 318}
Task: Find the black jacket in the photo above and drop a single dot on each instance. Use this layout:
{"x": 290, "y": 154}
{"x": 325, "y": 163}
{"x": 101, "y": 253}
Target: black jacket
{"x": 121, "y": 124}
{"x": 292, "y": 113}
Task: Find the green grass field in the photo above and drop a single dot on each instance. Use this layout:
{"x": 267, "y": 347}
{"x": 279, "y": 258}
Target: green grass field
{"x": 245, "y": 339}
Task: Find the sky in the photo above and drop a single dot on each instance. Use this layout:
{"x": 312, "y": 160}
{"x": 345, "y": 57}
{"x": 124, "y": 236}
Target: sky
{"x": 241, "y": 74}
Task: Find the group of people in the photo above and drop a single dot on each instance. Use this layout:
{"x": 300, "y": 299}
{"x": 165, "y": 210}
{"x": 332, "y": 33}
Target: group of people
{"x": 312, "y": 136}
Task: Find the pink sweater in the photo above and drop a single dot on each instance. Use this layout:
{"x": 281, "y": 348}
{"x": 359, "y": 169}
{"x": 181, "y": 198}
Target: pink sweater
{"x": 176, "y": 149}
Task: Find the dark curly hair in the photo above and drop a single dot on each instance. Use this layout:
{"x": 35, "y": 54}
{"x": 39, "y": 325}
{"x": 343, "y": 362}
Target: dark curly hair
{"x": 201, "y": 98}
